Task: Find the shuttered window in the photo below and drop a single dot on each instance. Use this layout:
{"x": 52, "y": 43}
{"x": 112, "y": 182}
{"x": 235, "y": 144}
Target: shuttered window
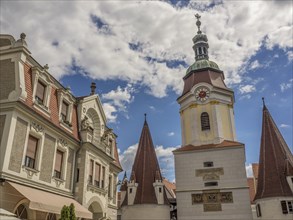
{"x": 40, "y": 93}
{"x": 258, "y": 210}
{"x": 97, "y": 174}
{"x": 91, "y": 173}
{"x": 284, "y": 207}
{"x": 58, "y": 164}
{"x": 110, "y": 187}
{"x": 31, "y": 152}
{"x": 205, "y": 121}
{"x": 64, "y": 111}
{"x": 103, "y": 177}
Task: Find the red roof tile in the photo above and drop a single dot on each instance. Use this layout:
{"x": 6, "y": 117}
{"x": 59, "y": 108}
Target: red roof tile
{"x": 251, "y": 185}
{"x": 275, "y": 161}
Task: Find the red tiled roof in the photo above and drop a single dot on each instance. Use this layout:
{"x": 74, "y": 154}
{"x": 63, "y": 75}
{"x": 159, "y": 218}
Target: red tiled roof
{"x": 223, "y": 144}
{"x": 116, "y": 156}
{"x": 171, "y": 187}
{"x": 255, "y": 167}
{"x": 275, "y": 161}
{"x": 146, "y": 169}
{"x": 208, "y": 76}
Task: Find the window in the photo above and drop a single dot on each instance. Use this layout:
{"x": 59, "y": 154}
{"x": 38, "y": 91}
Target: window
{"x": 91, "y": 172}
{"x": 21, "y": 212}
{"x": 64, "y": 111}
{"x": 199, "y": 49}
{"x": 111, "y": 146}
{"x": 110, "y": 186}
{"x": 258, "y": 210}
{"x": 211, "y": 184}
{"x": 97, "y": 174}
{"x": 160, "y": 190}
{"x": 40, "y": 93}
{"x": 130, "y": 190}
{"x": 205, "y": 50}
{"x": 77, "y": 175}
{"x": 205, "y": 121}
{"x": 58, "y": 164}
{"x": 51, "y": 216}
{"x": 287, "y": 207}
{"x": 31, "y": 152}
{"x": 208, "y": 164}
{"x": 103, "y": 177}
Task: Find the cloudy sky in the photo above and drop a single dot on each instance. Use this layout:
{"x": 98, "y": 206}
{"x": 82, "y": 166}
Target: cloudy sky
{"x": 138, "y": 51}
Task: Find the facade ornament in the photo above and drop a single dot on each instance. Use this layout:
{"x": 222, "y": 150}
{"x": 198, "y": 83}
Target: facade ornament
{"x": 46, "y": 67}
{"x": 62, "y": 142}
{"x": 85, "y": 124}
{"x": 37, "y": 127}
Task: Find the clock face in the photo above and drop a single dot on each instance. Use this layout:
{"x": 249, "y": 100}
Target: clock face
{"x": 202, "y": 94}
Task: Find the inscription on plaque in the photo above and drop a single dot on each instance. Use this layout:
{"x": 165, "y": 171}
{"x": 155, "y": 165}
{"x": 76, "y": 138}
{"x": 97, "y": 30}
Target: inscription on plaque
{"x": 209, "y": 174}
{"x": 212, "y": 207}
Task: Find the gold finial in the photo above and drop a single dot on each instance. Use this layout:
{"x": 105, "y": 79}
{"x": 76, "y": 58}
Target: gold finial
{"x": 198, "y": 23}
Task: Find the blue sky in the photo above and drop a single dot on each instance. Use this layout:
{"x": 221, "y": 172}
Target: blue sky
{"x": 138, "y": 52}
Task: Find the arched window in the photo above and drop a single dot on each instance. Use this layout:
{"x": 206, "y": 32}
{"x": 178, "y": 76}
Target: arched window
{"x": 21, "y": 212}
{"x": 199, "y": 49}
{"x": 204, "y": 50}
{"x": 205, "y": 121}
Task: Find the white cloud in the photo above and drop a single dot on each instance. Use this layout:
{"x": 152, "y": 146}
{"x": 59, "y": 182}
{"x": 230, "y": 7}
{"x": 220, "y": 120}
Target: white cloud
{"x": 105, "y": 53}
{"x": 284, "y": 126}
{"x": 164, "y": 155}
{"x": 110, "y": 112}
{"x": 255, "y": 65}
{"x": 290, "y": 55}
{"x": 247, "y": 89}
{"x": 285, "y": 86}
{"x": 152, "y": 108}
{"x": 249, "y": 172}
{"x": 117, "y": 101}
{"x": 171, "y": 134}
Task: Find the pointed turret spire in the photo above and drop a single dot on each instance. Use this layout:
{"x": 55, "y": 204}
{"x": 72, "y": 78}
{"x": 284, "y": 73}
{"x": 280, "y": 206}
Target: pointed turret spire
{"x": 124, "y": 183}
{"x": 146, "y": 169}
{"x": 200, "y": 41}
{"x": 275, "y": 161}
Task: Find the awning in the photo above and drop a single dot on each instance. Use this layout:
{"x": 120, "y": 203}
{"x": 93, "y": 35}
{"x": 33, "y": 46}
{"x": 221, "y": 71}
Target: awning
{"x": 49, "y": 202}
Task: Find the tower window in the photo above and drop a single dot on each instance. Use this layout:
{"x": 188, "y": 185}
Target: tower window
{"x": 205, "y": 121}
{"x": 258, "y": 210}
{"x": 199, "y": 49}
{"x": 211, "y": 184}
{"x": 208, "y": 164}
{"x": 204, "y": 50}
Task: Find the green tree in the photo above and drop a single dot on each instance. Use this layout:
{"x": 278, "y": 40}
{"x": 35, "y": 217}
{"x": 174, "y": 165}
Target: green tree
{"x": 68, "y": 212}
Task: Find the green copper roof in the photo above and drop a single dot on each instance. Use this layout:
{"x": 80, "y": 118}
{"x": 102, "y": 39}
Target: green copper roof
{"x": 201, "y": 64}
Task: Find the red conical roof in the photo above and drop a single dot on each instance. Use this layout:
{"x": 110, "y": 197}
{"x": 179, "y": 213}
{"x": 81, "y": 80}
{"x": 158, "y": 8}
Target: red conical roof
{"x": 275, "y": 161}
{"x": 146, "y": 169}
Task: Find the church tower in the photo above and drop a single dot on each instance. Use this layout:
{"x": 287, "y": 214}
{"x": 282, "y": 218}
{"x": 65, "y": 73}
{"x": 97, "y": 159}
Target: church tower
{"x": 144, "y": 195}
{"x": 274, "y": 193}
{"x": 210, "y": 166}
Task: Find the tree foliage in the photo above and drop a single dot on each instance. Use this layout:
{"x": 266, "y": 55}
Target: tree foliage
{"x": 68, "y": 212}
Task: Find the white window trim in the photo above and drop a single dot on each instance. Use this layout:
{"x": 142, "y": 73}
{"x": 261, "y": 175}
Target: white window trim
{"x": 65, "y": 96}
{"x": 43, "y": 77}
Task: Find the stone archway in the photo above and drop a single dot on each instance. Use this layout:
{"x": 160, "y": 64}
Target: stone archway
{"x": 97, "y": 210}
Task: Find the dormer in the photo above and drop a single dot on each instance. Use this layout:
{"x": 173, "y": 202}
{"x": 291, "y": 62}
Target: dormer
{"x": 65, "y": 103}
{"x": 42, "y": 84}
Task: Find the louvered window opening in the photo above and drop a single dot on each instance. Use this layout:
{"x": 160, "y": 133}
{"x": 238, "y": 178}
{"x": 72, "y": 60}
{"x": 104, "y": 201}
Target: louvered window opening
{"x": 58, "y": 164}
{"x": 31, "y": 151}
{"x": 211, "y": 184}
{"x": 287, "y": 207}
{"x": 205, "y": 121}
{"x": 40, "y": 93}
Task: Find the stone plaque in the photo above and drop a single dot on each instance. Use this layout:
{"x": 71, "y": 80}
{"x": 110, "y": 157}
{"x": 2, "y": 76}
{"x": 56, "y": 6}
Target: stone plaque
{"x": 210, "y": 173}
{"x": 197, "y": 198}
{"x": 212, "y": 207}
{"x": 226, "y": 197}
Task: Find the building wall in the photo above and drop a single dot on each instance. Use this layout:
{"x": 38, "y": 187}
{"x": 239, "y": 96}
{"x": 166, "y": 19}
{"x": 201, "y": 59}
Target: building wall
{"x": 145, "y": 212}
{"x": 230, "y": 178}
{"x": 7, "y": 78}
{"x": 271, "y": 208}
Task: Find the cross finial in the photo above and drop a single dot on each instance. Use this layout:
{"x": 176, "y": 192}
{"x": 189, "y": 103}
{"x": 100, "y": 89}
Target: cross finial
{"x": 145, "y": 116}
{"x": 198, "y": 23}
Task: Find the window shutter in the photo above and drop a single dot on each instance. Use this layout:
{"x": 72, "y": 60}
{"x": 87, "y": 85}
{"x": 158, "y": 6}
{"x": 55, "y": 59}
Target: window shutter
{"x": 103, "y": 173}
{"x": 32, "y": 147}
{"x": 205, "y": 121}
{"x": 40, "y": 90}
{"x": 91, "y": 168}
{"x": 284, "y": 207}
{"x": 64, "y": 108}
{"x": 58, "y": 161}
{"x": 97, "y": 172}
{"x": 258, "y": 210}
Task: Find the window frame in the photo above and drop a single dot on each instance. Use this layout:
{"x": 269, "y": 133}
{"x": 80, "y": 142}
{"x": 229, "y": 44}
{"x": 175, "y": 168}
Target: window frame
{"x": 34, "y": 160}
{"x": 64, "y": 150}
{"x": 205, "y": 121}
{"x": 64, "y": 96}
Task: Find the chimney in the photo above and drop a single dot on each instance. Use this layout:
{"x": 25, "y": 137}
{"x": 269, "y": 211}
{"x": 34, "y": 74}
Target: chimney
{"x": 93, "y": 88}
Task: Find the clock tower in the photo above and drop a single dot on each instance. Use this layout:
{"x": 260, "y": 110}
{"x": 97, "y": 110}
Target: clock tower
{"x": 210, "y": 166}
{"x": 206, "y": 103}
